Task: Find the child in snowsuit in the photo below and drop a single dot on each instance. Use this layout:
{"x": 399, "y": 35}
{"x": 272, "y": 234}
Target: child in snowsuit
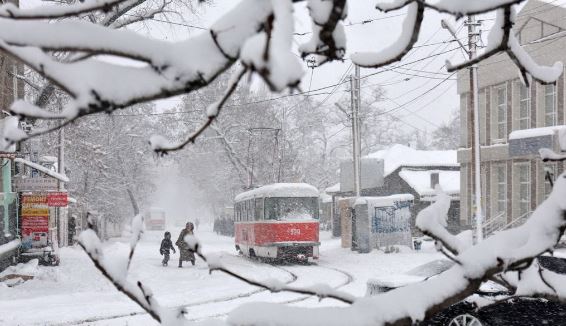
{"x": 166, "y": 245}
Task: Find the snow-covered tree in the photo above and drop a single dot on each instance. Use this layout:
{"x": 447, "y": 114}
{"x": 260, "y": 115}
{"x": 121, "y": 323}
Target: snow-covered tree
{"x": 447, "y": 135}
{"x": 259, "y": 35}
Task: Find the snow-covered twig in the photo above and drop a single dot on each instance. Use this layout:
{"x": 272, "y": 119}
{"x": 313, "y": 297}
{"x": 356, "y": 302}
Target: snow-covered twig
{"x": 409, "y": 36}
{"x": 137, "y": 231}
{"x": 453, "y": 7}
{"x": 89, "y": 241}
{"x": 320, "y": 292}
{"x": 328, "y": 40}
{"x": 502, "y": 39}
{"x": 548, "y": 155}
{"x": 160, "y": 146}
{"x": 432, "y": 222}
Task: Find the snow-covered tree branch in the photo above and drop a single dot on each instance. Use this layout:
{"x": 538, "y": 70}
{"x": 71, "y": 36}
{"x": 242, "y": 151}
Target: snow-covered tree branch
{"x": 258, "y": 33}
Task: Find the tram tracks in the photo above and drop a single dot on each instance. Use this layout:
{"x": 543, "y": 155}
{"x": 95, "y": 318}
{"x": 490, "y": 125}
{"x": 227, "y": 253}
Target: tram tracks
{"x": 294, "y": 271}
{"x": 347, "y": 279}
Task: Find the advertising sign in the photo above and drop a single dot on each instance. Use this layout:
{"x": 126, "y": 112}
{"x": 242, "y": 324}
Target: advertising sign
{"x": 35, "y": 184}
{"x": 35, "y": 221}
{"x": 57, "y": 199}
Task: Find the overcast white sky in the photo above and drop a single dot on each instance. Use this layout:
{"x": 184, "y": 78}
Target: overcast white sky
{"x": 422, "y": 100}
{"x": 421, "y": 97}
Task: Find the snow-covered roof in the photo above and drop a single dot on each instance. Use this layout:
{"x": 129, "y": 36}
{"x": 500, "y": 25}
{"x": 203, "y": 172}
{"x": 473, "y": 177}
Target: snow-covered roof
{"x": 325, "y": 198}
{"x": 49, "y": 159}
{"x": 537, "y": 132}
{"x": 280, "y": 190}
{"x": 400, "y": 155}
{"x": 333, "y": 189}
{"x": 419, "y": 180}
{"x": 53, "y": 174}
{"x": 386, "y": 200}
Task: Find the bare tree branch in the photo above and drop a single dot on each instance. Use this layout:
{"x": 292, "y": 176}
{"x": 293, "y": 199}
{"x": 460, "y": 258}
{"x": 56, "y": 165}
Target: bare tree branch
{"x": 52, "y": 12}
{"x": 213, "y": 113}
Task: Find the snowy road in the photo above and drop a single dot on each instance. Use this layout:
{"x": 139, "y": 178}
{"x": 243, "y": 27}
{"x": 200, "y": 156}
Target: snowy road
{"x": 75, "y": 293}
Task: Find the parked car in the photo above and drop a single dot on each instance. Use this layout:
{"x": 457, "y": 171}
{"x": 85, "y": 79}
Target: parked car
{"x": 505, "y": 310}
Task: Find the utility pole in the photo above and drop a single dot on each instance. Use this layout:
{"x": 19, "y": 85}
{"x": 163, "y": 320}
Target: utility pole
{"x": 476, "y": 150}
{"x": 63, "y": 241}
{"x": 473, "y": 118}
{"x": 356, "y": 138}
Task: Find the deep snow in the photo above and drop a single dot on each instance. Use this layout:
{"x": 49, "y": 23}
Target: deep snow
{"x": 76, "y": 293}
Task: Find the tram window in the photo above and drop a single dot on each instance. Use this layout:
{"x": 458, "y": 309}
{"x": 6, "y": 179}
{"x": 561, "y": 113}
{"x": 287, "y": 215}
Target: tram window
{"x": 259, "y": 209}
{"x": 300, "y": 208}
{"x": 248, "y": 211}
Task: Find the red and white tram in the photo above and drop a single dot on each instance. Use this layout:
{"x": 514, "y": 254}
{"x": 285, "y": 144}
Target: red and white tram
{"x": 278, "y": 221}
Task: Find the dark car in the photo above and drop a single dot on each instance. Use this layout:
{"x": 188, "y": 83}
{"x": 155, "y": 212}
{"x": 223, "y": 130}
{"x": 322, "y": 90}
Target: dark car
{"x": 504, "y": 309}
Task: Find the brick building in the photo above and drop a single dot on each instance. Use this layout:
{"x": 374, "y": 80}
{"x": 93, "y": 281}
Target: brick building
{"x": 515, "y": 121}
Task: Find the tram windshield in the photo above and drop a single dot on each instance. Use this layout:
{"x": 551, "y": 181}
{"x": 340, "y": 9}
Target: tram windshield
{"x": 291, "y": 208}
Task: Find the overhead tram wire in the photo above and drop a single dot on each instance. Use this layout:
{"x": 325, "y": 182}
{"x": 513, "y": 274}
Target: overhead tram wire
{"x": 401, "y": 106}
{"x": 335, "y": 86}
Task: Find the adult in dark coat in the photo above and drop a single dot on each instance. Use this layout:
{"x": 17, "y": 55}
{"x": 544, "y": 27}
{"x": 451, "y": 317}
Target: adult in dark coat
{"x": 184, "y": 253}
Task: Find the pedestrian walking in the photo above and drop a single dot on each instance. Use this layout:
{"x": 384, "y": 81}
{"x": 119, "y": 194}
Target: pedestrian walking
{"x": 166, "y": 245}
{"x": 197, "y": 222}
{"x": 185, "y": 254}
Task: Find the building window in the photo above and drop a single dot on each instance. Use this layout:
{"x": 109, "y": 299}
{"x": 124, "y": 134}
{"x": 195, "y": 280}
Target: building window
{"x": 524, "y": 106}
{"x": 550, "y": 113}
{"x": 501, "y": 112}
{"x": 500, "y": 178}
{"x": 551, "y": 169}
{"x": 524, "y": 191}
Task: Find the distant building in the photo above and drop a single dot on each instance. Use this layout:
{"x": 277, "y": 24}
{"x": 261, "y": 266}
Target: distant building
{"x": 407, "y": 171}
{"x": 515, "y": 122}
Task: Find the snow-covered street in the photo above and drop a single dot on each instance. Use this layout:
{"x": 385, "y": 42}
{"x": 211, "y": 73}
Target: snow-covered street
{"x": 76, "y": 293}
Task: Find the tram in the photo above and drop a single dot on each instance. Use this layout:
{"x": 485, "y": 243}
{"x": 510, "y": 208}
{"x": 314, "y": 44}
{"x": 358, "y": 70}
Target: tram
{"x": 279, "y": 221}
{"x": 155, "y": 219}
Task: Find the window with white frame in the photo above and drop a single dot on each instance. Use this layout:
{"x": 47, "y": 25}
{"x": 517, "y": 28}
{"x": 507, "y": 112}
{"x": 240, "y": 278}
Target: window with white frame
{"x": 550, "y": 113}
{"x": 501, "y": 112}
{"x": 524, "y": 185}
{"x": 524, "y": 106}
{"x": 499, "y": 175}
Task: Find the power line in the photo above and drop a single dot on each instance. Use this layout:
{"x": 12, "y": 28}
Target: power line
{"x": 401, "y": 106}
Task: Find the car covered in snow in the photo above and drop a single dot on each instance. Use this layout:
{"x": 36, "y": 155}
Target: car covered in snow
{"x": 492, "y": 305}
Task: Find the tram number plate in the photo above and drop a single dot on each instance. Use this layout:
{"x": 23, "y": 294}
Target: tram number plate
{"x": 295, "y": 231}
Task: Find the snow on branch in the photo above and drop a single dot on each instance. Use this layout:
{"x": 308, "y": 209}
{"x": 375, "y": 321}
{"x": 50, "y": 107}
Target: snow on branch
{"x": 409, "y": 36}
{"x": 259, "y": 33}
{"x": 457, "y": 8}
{"x": 328, "y": 40}
{"x": 502, "y": 39}
{"x": 549, "y": 155}
{"x": 432, "y": 221}
{"x": 116, "y": 271}
{"x": 320, "y": 291}
{"x": 9, "y": 10}
{"x": 162, "y": 145}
